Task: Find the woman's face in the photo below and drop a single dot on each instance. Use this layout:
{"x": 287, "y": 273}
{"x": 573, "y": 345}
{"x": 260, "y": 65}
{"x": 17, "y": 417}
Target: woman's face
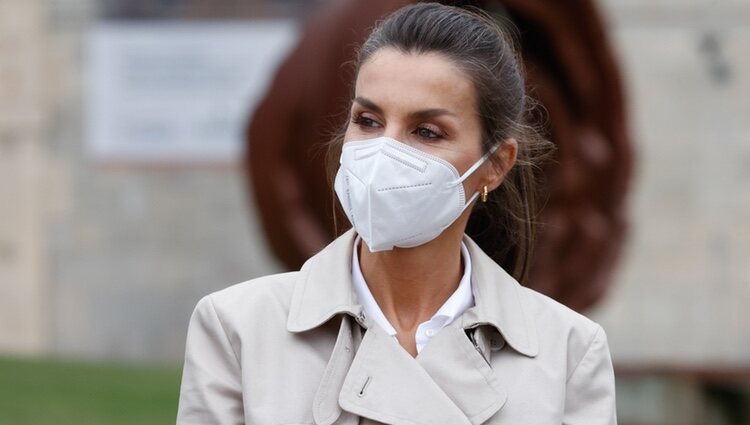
{"x": 425, "y": 101}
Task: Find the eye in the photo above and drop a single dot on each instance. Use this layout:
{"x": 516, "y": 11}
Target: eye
{"x": 363, "y": 121}
{"x": 426, "y": 132}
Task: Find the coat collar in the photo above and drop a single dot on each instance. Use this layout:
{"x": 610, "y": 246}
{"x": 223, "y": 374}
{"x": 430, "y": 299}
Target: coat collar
{"x": 324, "y": 289}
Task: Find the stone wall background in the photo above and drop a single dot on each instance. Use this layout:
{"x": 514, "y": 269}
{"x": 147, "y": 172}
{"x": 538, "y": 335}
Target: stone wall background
{"x": 107, "y": 262}
{"x": 684, "y": 283}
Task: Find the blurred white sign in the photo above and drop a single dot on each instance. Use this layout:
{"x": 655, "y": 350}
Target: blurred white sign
{"x": 178, "y": 92}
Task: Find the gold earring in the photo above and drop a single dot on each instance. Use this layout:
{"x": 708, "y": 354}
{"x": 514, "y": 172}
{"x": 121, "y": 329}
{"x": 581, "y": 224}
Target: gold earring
{"x": 484, "y": 194}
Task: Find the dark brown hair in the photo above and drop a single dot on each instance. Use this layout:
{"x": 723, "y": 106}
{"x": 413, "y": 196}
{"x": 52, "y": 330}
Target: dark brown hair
{"x": 504, "y": 226}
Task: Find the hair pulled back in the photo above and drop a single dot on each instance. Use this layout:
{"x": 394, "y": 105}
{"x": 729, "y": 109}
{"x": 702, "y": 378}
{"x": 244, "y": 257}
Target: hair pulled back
{"x": 504, "y": 226}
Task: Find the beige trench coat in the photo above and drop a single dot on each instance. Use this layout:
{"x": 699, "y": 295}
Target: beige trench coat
{"x": 295, "y": 348}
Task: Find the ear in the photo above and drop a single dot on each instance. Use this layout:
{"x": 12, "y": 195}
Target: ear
{"x": 501, "y": 161}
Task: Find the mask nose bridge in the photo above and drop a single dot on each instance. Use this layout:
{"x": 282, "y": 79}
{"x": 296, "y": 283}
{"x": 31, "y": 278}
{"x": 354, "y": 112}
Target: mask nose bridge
{"x": 389, "y": 149}
{"x": 367, "y": 151}
{"x": 383, "y": 143}
{"x": 374, "y": 153}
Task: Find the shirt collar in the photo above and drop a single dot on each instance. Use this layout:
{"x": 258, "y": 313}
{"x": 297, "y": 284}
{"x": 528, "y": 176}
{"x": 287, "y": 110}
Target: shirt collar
{"x": 324, "y": 289}
{"x": 461, "y": 299}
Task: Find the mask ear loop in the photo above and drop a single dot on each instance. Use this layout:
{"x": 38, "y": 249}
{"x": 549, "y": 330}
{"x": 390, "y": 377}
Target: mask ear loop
{"x": 476, "y": 165}
{"x": 471, "y": 170}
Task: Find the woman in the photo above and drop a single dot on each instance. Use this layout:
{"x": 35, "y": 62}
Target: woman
{"x": 404, "y": 319}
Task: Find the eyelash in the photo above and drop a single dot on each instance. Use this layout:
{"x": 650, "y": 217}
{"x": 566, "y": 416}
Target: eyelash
{"x": 366, "y": 123}
{"x": 360, "y": 120}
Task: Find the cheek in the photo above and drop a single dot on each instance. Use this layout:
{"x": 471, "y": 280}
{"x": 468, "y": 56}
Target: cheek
{"x": 466, "y": 155}
{"x": 350, "y": 133}
{"x": 353, "y": 132}
{"x": 472, "y": 181}
{"x": 472, "y": 184}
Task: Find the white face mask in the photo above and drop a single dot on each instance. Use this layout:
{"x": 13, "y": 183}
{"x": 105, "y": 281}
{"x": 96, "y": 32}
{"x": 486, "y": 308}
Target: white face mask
{"x": 397, "y": 195}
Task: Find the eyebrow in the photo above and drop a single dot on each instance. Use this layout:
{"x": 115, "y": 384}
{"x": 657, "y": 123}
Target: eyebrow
{"x": 422, "y": 114}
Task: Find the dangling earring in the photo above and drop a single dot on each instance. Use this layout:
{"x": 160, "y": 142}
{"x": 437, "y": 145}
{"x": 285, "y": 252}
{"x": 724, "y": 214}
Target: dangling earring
{"x": 484, "y": 193}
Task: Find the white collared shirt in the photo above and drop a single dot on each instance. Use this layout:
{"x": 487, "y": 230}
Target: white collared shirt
{"x": 461, "y": 300}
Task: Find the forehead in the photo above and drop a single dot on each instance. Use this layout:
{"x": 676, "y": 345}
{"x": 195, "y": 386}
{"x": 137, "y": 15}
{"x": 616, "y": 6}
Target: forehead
{"x": 413, "y": 81}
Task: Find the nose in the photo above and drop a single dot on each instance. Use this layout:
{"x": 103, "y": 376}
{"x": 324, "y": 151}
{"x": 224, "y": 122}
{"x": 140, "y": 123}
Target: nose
{"x": 398, "y": 133}
{"x": 393, "y": 131}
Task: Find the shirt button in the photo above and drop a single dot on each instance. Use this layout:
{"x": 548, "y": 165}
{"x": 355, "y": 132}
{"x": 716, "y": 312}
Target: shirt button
{"x": 429, "y": 332}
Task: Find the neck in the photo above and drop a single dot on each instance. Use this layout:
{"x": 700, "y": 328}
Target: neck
{"x": 410, "y": 284}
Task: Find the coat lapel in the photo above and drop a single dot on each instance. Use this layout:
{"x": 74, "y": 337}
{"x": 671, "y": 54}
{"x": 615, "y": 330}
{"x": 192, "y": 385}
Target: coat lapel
{"x": 326, "y": 409}
{"x": 459, "y": 368}
{"x": 448, "y": 383}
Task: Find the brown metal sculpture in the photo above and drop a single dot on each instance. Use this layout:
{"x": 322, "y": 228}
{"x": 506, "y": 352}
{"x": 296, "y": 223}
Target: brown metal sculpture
{"x": 574, "y": 75}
